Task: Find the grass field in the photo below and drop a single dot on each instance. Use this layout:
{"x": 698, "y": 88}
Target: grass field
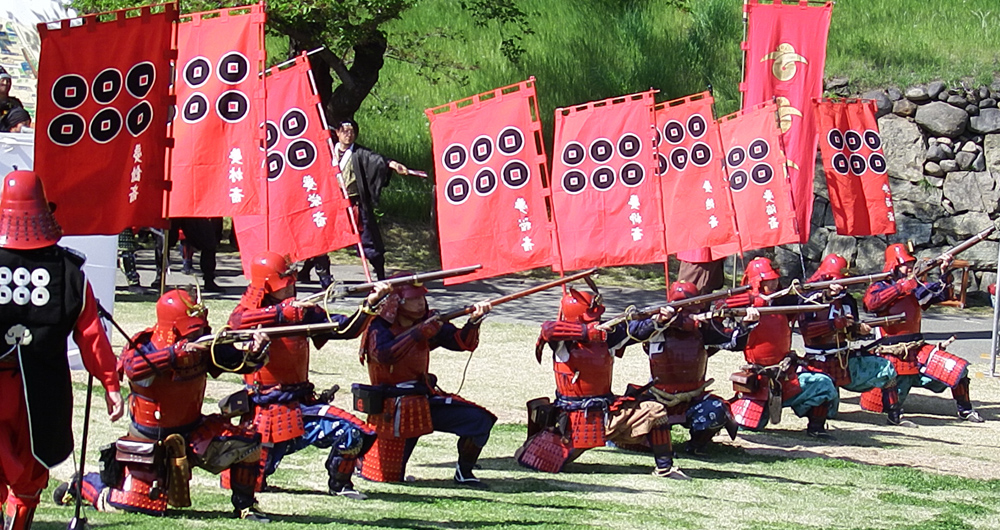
{"x": 945, "y": 475}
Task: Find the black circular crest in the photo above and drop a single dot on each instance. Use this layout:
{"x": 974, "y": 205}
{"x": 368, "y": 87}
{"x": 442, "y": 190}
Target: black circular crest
{"x": 662, "y": 164}
{"x": 275, "y": 165}
{"x": 233, "y": 68}
{"x": 294, "y": 123}
{"x": 633, "y": 174}
{"x": 574, "y": 181}
{"x": 873, "y": 140}
{"x": 839, "y": 163}
{"x": 679, "y": 158}
{"x": 697, "y": 126}
{"x": 876, "y": 162}
{"x": 629, "y": 146}
{"x": 762, "y": 173}
{"x": 105, "y": 125}
{"x": 735, "y": 157}
{"x": 195, "y": 108}
{"x": 300, "y": 154}
{"x": 673, "y": 131}
{"x": 758, "y": 149}
{"x": 836, "y": 139}
{"x": 482, "y": 150}
{"x": 271, "y": 135}
{"x": 457, "y": 190}
{"x": 69, "y": 91}
{"x": 66, "y": 129}
{"x": 603, "y": 178}
{"x": 515, "y": 174}
{"x": 738, "y": 180}
{"x": 232, "y": 106}
{"x": 139, "y": 79}
{"x": 485, "y": 181}
{"x": 510, "y": 141}
{"x": 107, "y": 85}
{"x": 573, "y": 154}
{"x": 139, "y": 118}
{"x": 858, "y": 165}
{"x": 197, "y": 71}
{"x": 455, "y": 157}
{"x": 853, "y": 140}
{"x": 601, "y": 150}
{"x": 701, "y": 154}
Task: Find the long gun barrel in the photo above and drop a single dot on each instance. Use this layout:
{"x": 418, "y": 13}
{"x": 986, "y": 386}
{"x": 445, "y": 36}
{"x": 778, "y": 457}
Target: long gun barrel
{"x": 853, "y": 280}
{"x": 767, "y": 310}
{"x": 230, "y": 336}
{"x": 884, "y": 321}
{"x": 520, "y": 294}
{"x": 342, "y": 290}
{"x": 926, "y": 266}
{"x": 646, "y": 312}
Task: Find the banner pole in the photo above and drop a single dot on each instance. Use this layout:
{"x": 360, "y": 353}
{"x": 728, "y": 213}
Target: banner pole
{"x": 743, "y": 66}
{"x": 995, "y": 345}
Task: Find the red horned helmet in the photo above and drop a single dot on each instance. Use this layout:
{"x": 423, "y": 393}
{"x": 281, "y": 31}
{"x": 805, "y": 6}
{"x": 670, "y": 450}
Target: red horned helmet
{"x": 831, "y": 268}
{"x": 758, "y": 271}
{"x": 681, "y": 290}
{"x": 577, "y": 306}
{"x": 26, "y": 220}
{"x": 896, "y": 255}
{"x": 271, "y": 272}
{"x": 391, "y": 305}
{"x": 178, "y": 315}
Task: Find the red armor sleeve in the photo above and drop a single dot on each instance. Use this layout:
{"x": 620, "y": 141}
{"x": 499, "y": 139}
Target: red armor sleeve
{"x": 95, "y": 350}
{"x": 740, "y": 300}
{"x": 880, "y": 296}
{"x": 559, "y": 330}
{"x": 145, "y": 364}
{"x": 278, "y": 314}
{"x": 812, "y": 329}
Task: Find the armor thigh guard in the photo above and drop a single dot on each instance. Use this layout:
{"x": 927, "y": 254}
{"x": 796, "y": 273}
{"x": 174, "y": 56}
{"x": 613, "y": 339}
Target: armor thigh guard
{"x": 384, "y": 462}
{"x": 750, "y": 413}
{"x": 941, "y": 366}
{"x": 403, "y": 417}
{"x": 544, "y": 451}
{"x": 871, "y": 400}
{"x": 143, "y": 490}
{"x": 279, "y": 422}
{"x": 586, "y": 427}
{"x": 834, "y": 365}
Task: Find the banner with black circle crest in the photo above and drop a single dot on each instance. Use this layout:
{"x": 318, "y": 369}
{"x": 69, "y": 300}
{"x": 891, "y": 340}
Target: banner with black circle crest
{"x": 307, "y": 212}
{"x": 216, "y": 162}
{"x": 855, "y": 167}
{"x": 489, "y": 165}
{"x": 605, "y": 193}
{"x": 103, "y": 101}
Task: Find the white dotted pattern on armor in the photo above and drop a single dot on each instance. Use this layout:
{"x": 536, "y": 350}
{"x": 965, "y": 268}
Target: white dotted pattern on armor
{"x": 22, "y": 286}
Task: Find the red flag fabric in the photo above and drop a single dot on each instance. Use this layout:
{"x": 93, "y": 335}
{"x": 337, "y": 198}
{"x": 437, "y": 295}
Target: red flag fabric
{"x": 489, "y": 167}
{"x": 307, "y": 213}
{"x": 758, "y": 180}
{"x": 785, "y": 57}
{"x": 220, "y": 105}
{"x": 103, "y": 102}
{"x": 855, "y": 167}
{"x": 605, "y": 194}
{"x": 696, "y": 204}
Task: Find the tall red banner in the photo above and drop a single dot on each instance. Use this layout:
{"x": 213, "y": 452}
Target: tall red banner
{"x": 696, "y": 204}
{"x": 103, "y": 102}
{"x": 217, "y": 161}
{"x": 307, "y": 213}
{"x": 761, "y": 193}
{"x": 489, "y": 167}
{"x": 855, "y": 167}
{"x": 605, "y": 194}
{"x": 785, "y": 57}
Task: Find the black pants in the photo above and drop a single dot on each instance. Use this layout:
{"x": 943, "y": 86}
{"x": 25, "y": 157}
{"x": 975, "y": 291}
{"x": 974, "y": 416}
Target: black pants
{"x": 203, "y": 234}
{"x": 371, "y": 238}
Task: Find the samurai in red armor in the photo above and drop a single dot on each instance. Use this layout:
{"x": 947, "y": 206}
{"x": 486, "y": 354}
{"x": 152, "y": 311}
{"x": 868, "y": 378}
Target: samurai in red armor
{"x": 917, "y": 363}
{"x": 773, "y": 380}
{"x": 44, "y": 298}
{"x": 149, "y": 468}
{"x": 828, "y": 335}
{"x": 404, "y": 402}
{"x": 586, "y": 413}
{"x": 287, "y": 413}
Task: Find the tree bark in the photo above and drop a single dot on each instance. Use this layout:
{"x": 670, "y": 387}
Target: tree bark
{"x": 358, "y": 80}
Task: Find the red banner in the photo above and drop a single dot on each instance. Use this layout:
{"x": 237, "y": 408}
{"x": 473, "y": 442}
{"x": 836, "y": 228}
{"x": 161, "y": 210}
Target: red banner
{"x": 489, "y": 166}
{"x": 605, "y": 194}
{"x": 103, "y": 102}
{"x": 855, "y": 167}
{"x": 758, "y": 180}
{"x": 307, "y": 213}
{"x": 216, "y": 166}
{"x": 785, "y": 57}
{"x": 696, "y": 204}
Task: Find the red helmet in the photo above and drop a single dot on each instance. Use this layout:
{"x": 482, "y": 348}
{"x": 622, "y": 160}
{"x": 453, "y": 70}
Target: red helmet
{"x": 681, "y": 290}
{"x": 26, "y": 220}
{"x": 758, "y": 271}
{"x": 177, "y": 315}
{"x": 391, "y": 306}
{"x": 579, "y": 306}
{"x": 831, "y": 268}
{"x": 896, "y": 255}
{"x": 271, "y": 272}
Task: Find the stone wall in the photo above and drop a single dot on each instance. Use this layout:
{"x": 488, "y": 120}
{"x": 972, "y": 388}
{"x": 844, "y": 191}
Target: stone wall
{"x": 942, "y": 146}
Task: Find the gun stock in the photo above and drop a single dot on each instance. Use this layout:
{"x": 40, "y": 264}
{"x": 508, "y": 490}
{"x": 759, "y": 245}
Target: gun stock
{"x": 884, "y": 321}
{"x": 520, "y": 294}
{"x": 342, "y": 290}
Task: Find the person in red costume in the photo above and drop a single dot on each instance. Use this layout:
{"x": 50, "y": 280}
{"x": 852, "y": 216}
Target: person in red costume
{"x": 769, "y": 352}
{"x": 396, "y": 346}
{"x": 288, "y": 414}
{"x": 917, "y": 363}
{"x": 149, "y": 469}
{"x": 44, "y": 298}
